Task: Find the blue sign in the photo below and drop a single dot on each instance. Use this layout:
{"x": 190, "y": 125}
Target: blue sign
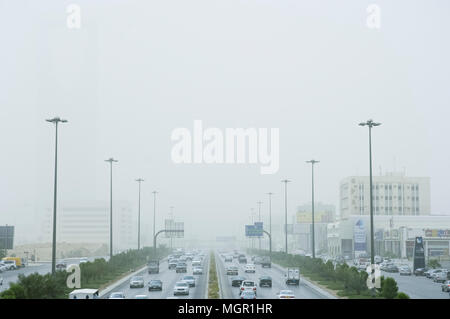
{"x": 255, "y": 230}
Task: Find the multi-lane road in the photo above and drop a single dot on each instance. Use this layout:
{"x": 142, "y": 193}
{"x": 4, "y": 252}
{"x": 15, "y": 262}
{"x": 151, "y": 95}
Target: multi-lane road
{"x": 302, "y": 291}
{"x": 168, "y": 277}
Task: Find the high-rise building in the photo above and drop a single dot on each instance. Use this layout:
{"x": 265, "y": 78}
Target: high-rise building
{"x": 393, "y": 194}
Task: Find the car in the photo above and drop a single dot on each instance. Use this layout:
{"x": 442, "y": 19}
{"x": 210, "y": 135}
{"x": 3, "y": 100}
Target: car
{"x": 181, "y": 267}
{"x": 378, "y": 259}
{"x": 391, "y": 268}
{"x": 265, "y": 262}
{"x": 173, "y": 263}
{"x": 250, "y": 268}
{"x": 228, "y": 259}
{"x": 247, "y": 285}
{"x": 265, "y": 281}
{"x": 197, "y": 270}
{"x": 436, "y": 272}
{"x": 61, "y": 267}
{"x": 430, "y": 273}
{"x": 137, "y": 282}
{"x": 446, "y": 286}
{"x": 141, "y": 297}
{"x": 232, "y": 270}
{"x": 420, "y": 271}
{"x": 286, "y": 294}
{"x": 83, "y": 260}
{"x": 10, "y": 264}
{"x": 196, "y": 262}
{"x": 362, "y": 266}
{"x": 182, "y": 259}
{"x": 155, "y": 284}
{"x": 257, "y": 260}
{"x": 117, "y": 295}
{"x": 181, "y": 288}
{"x": 242, "y": 259}
{"x": 440, "y": 276}
{"x": 404, "y": 271}
{"x": 236, "y": 281}
{"x": 248, "y": 294}
{"x": 189, "y": 279}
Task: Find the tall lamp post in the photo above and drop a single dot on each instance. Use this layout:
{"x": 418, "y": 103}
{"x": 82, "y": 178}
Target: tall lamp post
{"x": 370, "y": 124}
{"x": 139, "y": 180}
{"x": 259, "y": 219}
{"x": 154, "y": 215}
{"x": 285, "y": 181}
{"x": 110, "y": 161}
{"x": 171, "y": 235}
{"x": 56, "y": 121}
{"x": 312, "y": 205}
{"x": 270, "y": 219}
{"x": 253, "y": 222}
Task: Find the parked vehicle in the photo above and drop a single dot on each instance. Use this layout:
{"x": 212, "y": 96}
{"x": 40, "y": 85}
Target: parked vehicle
{"x": 405, "y": 271}
{"x": 10, "y": 264}
{"x": 440, "y": 276}
{"x": 18, "y": 261}
{"x": 420, "y": 271}
{"x": 293, "y": 276}
{"x": 391, "y": 268}
{"x": 153, "y": 266}
{"x": 446, "y": 286}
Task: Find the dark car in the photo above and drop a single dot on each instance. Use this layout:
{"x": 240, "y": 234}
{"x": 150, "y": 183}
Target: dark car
{"x": 173, "y": 263}
{"x": 242, "y": 259}
{"x": 391, "y": 268}
{"x": 236, "y": 281}
{"x": 265, "y": 281}
{"x": 181, "y": 267}
{"x": 420, "y": 271}
{"x": 155, "y": 284}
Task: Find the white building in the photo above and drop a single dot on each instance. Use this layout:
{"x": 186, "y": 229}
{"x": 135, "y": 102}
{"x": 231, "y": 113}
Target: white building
{"x": 393, "y": 194}
{"x": 88, "y": 222}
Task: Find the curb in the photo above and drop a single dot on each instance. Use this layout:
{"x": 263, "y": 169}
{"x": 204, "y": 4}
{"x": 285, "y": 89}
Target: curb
{"x": 219, "y": 281}
{"x": 207, "y": 278}
{"x": 318, "y": 290}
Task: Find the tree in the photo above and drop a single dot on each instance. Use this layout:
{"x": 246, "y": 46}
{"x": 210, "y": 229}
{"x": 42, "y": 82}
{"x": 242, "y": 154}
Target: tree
{"x": 389, "y": 288}
{"x": 402, "y": 295}
{"x": 433, "y": 263}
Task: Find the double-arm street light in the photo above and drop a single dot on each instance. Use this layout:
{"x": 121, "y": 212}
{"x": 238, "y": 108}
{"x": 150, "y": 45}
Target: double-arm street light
{"x": 259, "y": 219}
{"x": 154, "y": 215}
{"x": 139, "y": 180}
{"x": 56, "y": 121}
{"x": 110, "y": 161}
{"x": 171, "y": 235}
{"x": 312, "y": 205}
{"x": 285, "y": 181}
{"x": 370, "y": 124}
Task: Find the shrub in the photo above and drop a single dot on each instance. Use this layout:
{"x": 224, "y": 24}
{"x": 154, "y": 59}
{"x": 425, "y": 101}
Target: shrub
{"x": 389, "y": 288}
{"x": 402, "y": 295}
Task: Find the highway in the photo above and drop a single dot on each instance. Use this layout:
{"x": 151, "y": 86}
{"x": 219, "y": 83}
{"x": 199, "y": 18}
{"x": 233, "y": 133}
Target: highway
{"x": 278, "y": 282}
{"x": 169, "y": 277}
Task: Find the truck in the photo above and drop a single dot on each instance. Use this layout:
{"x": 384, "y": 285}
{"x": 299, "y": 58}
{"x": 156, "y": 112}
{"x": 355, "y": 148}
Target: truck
{"x": 293, "y": 276}
{"x": 242, "y": 259}
{"x": 84, "y": 294}
{"x": 18, "y": 260}
{"x": 153, "y": 266}
{"x": 265, "y": 262}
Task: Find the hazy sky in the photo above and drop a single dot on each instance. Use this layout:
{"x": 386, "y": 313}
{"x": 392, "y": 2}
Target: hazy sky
{"x": 136, "y": 70}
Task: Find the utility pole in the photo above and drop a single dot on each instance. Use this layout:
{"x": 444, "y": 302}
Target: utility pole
{"x": 55, "y": 121}
{"x": 139, "y": 180}
{"x": 154, "y": 215}
{"x": 270, "y": 219}
{"x": 111, "y": 161}
{"x": 171, "y": 234}
{"x": 312, "y": 205}
{"x": 259, "y": 219}
{"x": 285, "y": 181}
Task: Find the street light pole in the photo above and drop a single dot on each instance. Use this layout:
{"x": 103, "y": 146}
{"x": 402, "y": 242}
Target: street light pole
{"x": 55, "y": 120}
{"x": 154, "y": 215}
{"x": 285, "y": 181}
{"x": 111, "y": 161}
{"x": 370, "y": 124}
{"x": 171, "y": 216}
{"x": 312, "y": 205}
{"x": 270, "y": 219}
{"x": 259, "y": 219}
{"x": 253, "y": 222}
{"x": 139, "y": 180}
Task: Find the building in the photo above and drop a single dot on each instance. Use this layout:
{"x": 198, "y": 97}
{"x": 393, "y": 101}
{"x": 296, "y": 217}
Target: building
{"x": 88, "y": 222}
{"x": 393, "y": 194}
{"x": 393, "y": 234}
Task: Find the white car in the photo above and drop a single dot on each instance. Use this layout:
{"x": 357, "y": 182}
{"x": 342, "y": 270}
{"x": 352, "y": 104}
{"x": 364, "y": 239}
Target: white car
{"x": 196, "y": 263}
{"x": 10, "y": 264}
{"x": 247, "y": 285}
{"x": 189, "y": 279}
{"x": 181, "y": 288}
{"x": 197, "y": 271}
{"x": 250, "y": 268}
{"x": 83, "y": 260}
{"x": 117, "y": 295}
{"x": 286, "y": 294}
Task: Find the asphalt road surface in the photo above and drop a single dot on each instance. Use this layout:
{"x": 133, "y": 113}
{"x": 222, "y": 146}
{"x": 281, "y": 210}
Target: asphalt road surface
{"x": 169, "y": 277}
{"x": 278, "y": 282}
